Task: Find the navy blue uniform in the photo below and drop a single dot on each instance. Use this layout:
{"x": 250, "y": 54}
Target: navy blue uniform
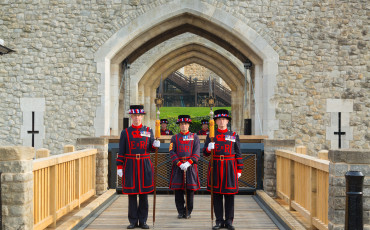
{"x": 134, "y": 157}
{"x": 202, "y": 132}
{"x": 166, "y": 132}
{"x": 136, "y": 143}
{"x": 182, "y": 150}
{"x": 227, "y": 163}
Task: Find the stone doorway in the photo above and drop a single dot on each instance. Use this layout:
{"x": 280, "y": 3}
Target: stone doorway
{"x": 221, "y": 43}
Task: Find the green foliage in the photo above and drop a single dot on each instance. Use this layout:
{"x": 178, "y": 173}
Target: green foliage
{"x": 167, "y": 112}
{"x": 196, "y": 113}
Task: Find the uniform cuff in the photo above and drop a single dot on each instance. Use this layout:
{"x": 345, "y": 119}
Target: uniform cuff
{"x": 179, "y": 163}
{"x": 208, "y": 151}
{"x": 239, "y": 170}
{"x": 190, "y": 161}
{"x": 119, "y": 166}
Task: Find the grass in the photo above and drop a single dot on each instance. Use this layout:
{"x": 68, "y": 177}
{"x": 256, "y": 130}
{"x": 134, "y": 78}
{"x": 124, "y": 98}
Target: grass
{"x": 167, "y": 112}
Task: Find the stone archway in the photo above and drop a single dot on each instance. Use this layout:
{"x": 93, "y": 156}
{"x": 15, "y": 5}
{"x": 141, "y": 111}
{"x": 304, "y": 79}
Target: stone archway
{"x": 193, "y": 53}
{"x": 207, "y": 21}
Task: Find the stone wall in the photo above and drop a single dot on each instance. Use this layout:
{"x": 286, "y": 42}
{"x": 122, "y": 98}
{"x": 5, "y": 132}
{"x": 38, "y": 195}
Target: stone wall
{"x": 101, "y": 144}
{"x": 269, "y": 162}
{"x": 322, "y": 46}
{"x": 17, "y": 187}
{"x": 342, "y": 161}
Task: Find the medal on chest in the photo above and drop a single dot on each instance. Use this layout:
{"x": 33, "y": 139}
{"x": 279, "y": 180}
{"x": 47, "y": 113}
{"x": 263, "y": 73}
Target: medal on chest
{"x": 145, "y": 134}
{"x": 230, "y": 138}
{"x": 188, "y": 137}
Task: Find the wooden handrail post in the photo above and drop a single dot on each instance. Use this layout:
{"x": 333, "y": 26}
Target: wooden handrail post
{"x": 78, "y": 181}
{"x": 53, "y": 193}
{"x": 301, "y": 149}
{"x": 291, "y": 184}
{"x": 323, "y": 154}
{"x": 69, "y": 148}
{"x": 313, "y": 196}
{"x": 40, "y": 153}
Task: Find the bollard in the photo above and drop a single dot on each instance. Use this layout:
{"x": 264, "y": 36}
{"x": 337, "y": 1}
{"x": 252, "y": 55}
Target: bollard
{"x": 354, "y": 212}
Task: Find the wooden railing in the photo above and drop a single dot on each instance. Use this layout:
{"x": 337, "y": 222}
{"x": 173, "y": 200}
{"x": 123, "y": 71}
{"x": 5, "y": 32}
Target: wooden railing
{"x": 61, "y": 183}
{"x": 303, "y": 182}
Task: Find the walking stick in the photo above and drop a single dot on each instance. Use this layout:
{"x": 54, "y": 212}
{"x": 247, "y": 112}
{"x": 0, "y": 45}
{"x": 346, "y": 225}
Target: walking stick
{"x": 157, "y": 136}
{"x": 211, "y": 135}
{"x": 158, "y": 101}
{"x": 211, "y": 104}
{"x": 186, "y": 195}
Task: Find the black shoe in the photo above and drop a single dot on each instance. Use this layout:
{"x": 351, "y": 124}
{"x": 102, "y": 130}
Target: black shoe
{"x": 144, "y": 226}
{"x": 131, "y": 226}
{"x": 229, "y": 227}
{"x": 180, "y": 216}
{"x": 187, "y": 216}
{"x": 217, "y": 226}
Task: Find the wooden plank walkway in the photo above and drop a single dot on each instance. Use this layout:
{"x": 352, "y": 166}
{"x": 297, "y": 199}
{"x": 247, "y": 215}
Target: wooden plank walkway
{"x": 248, "y": 214}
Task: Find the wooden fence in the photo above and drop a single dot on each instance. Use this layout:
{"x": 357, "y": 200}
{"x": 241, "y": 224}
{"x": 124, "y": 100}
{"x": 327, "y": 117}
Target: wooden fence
{"x": 61, "y": 183}
{"x": 303, "y": 182}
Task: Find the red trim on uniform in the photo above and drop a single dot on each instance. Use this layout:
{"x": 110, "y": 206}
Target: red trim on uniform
{"x": 222, "y": 131}
{"x": 231, "y": 193}
{"x": 138, "y": 176}
{"x": 239, "y": 170}
{"x": 128, "y": 140}
{"x": 208, "y": 150}
{"x": 190, "y": 161}
{"x": 119, "y": 167}
{"x": 235, "y": 177}
{"x": 142, "y": 169}
{"x": 124, "y": 181}
{"x": 146, "y": 140}
{"x": 179, "y": 163}
{"x": 222, "y": 175}
{"x": 135, "y": 193}
{"x": 185, "y": 133}
{"x": 137, "y": 127}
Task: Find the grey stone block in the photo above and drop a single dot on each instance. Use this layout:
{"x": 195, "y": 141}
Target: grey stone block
{"x": 278, "y": 143}
{"x": 92, "y": 141}
{"x": 351, "y": 156}
{"x": 365, "y": 169}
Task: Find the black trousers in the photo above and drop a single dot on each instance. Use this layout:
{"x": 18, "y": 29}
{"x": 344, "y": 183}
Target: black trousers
{"x": 138, "y": 212}
{"x": 219, "y": 208}
{"x": 180, "y": 201}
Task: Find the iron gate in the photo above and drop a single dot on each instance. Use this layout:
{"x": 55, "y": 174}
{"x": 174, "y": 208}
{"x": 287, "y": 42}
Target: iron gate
{"x": 250, "y": 180}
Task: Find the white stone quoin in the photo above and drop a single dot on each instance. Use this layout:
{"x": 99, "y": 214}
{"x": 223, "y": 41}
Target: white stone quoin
{"x": 29, "y": 105}
{"x": 345, "y": 107}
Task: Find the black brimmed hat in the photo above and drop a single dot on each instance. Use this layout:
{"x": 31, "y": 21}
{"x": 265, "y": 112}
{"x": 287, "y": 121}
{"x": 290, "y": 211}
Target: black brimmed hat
{"x": 136, "y": 109}
{"x": 222, "y": 113}
{"x": 204, "y": 122}
{"x": 165, "y": 121}
{"x": 183, "y": 118}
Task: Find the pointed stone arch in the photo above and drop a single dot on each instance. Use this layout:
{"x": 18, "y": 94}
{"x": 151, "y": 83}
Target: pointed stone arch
{"x": 188, "y": 54}
{"x": 200, "y": 18}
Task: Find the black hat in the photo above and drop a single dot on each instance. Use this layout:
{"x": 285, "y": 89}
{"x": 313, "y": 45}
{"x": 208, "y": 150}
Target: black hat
{"x": 183, "y": 118}
{"x": 222, "y": 113}
{"x": 136, "y": 109}
{"x": 204, "y": 121}
{"x": 164, "y": 121}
